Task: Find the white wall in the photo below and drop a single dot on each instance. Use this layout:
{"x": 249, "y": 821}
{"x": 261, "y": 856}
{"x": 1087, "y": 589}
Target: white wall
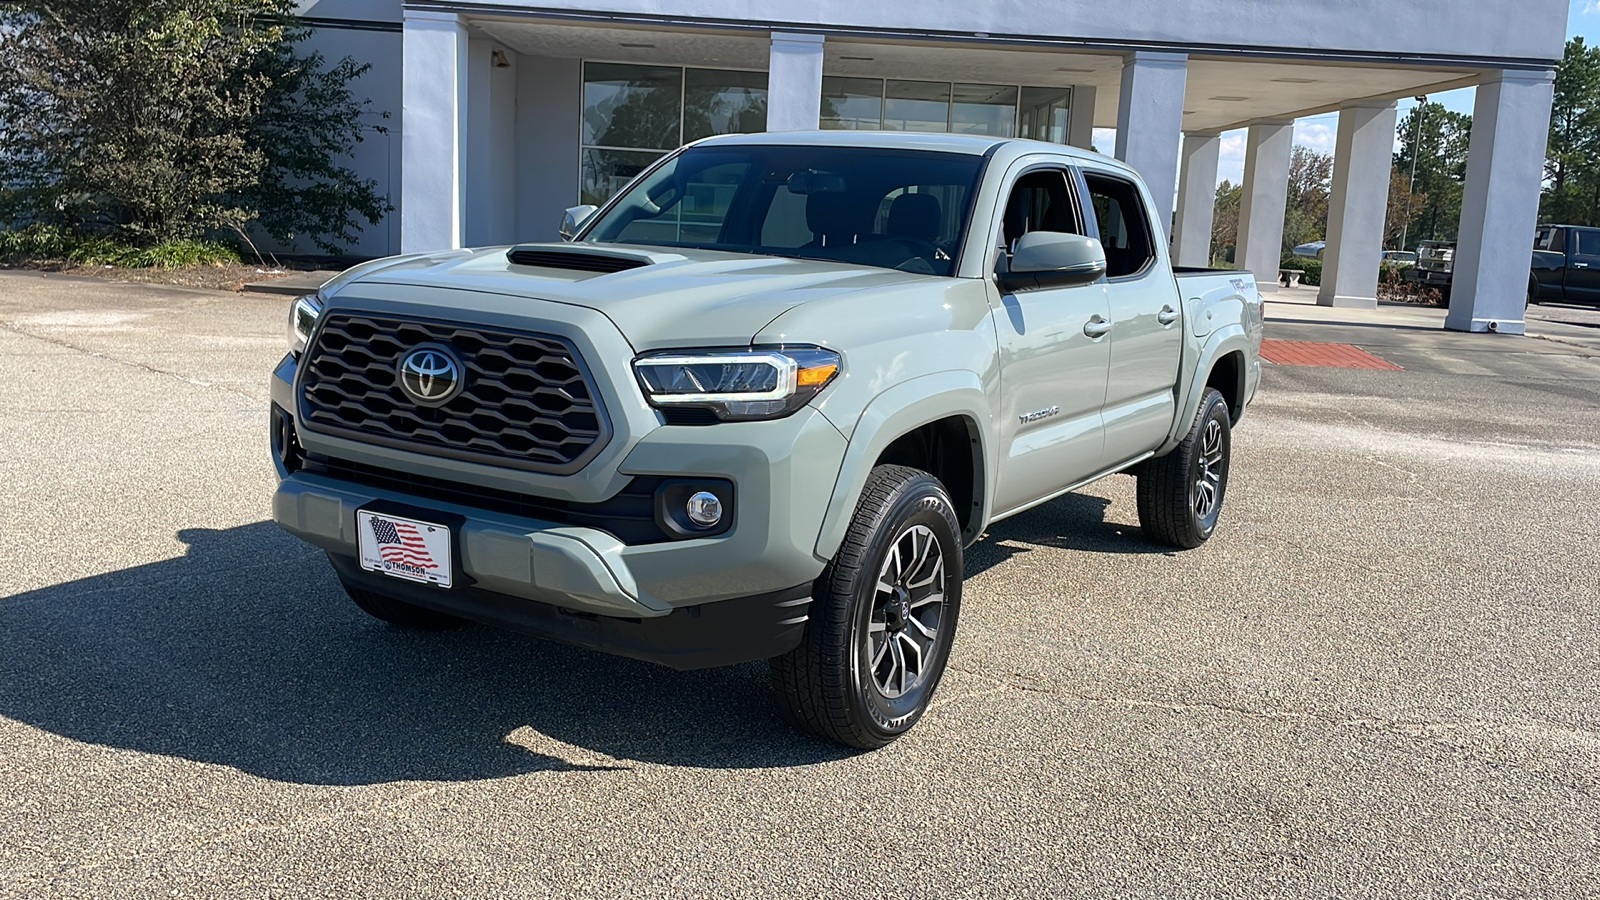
{"x": 378, "y": 155}
{"x": 1486, "y": 28}
{"x": 548, "y": 101}
{"x": 491, "y": 171}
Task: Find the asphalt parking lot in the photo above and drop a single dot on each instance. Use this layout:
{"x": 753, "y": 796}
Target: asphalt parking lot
{"x": 1381, "y": 678}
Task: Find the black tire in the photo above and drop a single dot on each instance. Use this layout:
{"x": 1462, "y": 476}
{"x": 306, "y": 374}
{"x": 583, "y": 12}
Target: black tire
{"x": 1533, "y": 294}
{"x": 399, "y": 612}
{"x": 1174, "y": 508}
{"x": 833, "y": 684}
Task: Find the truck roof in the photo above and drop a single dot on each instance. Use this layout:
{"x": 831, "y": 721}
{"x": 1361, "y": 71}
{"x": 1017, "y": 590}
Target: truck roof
{"x": 973, "y": 144}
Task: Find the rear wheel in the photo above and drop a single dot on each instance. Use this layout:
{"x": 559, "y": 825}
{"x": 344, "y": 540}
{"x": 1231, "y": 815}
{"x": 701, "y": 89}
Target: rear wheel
{"x": 883, "y": 617}
{"x": 399, "y": 612}
{"x": 1180, "y": 494}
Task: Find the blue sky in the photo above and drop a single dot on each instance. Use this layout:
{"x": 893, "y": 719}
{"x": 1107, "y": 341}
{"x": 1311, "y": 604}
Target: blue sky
{"x": 1318, "y": 132}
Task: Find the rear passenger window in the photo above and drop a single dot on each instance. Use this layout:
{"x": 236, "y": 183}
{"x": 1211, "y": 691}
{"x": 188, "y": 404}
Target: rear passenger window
{"x": 1040, "y": 201}
{"x": 1124, "y": 230}
{"x": 1588, "y": 241}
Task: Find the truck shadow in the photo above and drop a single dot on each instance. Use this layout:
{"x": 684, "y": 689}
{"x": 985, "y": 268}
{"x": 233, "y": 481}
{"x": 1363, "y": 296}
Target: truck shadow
{"x": 244, "y": 652}
{"x": 1073, "y": 522}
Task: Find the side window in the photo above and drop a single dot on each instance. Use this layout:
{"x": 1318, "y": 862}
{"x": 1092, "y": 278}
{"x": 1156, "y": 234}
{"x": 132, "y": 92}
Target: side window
{"x": 1124, "y": 231}
{"x": 1040, "y": 201}
{"x": 1548, "y": 237}
{"x": 1588, "y": 241}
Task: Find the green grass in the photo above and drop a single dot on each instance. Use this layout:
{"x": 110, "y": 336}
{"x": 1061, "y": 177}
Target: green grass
{"x": 48, "y": 244}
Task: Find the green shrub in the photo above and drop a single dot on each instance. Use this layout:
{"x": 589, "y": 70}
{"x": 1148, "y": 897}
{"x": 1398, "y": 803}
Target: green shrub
{"x": 36, "y": 242}
{"x": 47, "y": 244}
{"x": 182, "y": 253}
{"x": 1311, "y": 269}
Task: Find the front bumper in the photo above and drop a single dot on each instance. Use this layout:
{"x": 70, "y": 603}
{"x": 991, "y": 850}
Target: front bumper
{"x": 691, "y": 602}
{"x": 724, "y": 633}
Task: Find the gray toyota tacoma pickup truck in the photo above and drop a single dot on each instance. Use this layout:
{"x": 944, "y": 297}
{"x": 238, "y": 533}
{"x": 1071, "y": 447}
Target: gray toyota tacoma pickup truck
{"x": 756, "y": 406}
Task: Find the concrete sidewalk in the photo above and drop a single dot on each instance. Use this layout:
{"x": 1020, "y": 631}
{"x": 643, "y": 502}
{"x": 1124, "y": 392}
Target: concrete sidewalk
{"x": 1562, "y": 341}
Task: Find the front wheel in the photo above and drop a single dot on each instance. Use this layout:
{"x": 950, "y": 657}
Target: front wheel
{"x": 1180, "y": 494}
{"x": 883, "y": 617}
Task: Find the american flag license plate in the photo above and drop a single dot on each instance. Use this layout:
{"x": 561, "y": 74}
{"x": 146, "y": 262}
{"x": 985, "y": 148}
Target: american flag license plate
{"x": 404, "y": 548}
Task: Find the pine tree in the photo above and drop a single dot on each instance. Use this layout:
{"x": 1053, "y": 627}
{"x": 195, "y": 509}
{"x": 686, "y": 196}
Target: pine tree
{"x": 164, "y": 119}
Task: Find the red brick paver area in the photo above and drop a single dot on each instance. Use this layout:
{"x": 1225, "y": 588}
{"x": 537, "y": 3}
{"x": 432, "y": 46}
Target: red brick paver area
{"x": 1328, "y": 356}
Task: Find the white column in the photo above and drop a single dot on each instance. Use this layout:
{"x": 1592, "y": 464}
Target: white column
{"x": 1197, "y": 199}
{"x": 1266, "y": 194}
{"x": 432, "y": 125}
{"x": 1363, "y": 157}
{"x": 1080, "y": 118}
{"x": 794, "y": 82}
{"x": 1500, "y": 202}
{"x": 1149, "y": 122}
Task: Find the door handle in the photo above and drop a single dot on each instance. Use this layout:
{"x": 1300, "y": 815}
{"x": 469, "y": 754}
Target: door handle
{"x": 1167, "y": 316}
{"x": 1096, "y": 327}
{"x": 1579, "y": 265}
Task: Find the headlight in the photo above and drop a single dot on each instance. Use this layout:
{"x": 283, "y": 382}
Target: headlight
{"x": 738, "y": 384}
{"x": 303, "y": 314}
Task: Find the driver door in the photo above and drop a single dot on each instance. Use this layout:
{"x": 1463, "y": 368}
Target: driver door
{"x": 1053, "y": 351}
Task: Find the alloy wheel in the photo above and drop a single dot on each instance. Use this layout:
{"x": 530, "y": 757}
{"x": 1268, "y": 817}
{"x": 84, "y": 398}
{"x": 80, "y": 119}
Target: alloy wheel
{"x": 908, "y": 605}
{"x": 1208, "y": 481}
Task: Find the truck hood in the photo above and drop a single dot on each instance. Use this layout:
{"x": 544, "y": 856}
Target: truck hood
{"x": 660, "y": 297}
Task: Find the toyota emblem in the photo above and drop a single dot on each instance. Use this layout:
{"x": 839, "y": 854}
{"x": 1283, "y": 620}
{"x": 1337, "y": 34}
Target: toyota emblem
{"x": 430, "y": 374}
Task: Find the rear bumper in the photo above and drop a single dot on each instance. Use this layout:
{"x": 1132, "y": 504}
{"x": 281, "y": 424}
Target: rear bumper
{"x": 1420, "y": 276}
{"x": 723, "y": 633}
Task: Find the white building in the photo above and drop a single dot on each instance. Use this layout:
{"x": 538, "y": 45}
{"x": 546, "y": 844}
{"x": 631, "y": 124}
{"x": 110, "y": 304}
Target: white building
{"x": 502, "y": 113}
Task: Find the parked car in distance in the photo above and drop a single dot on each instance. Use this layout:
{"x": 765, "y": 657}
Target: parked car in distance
{"x": 1566, "y": 264}
{"x": 1436, "y": 262}
{"x": 1312, "y": 250}
{"x": 1402, "y": 258}
{"x": 760, "y": 403}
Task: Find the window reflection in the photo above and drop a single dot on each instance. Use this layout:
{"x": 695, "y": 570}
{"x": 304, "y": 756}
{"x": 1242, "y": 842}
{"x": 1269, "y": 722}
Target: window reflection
{"x": 632, "y": 114}
{"x": 852, "y": 104}
{"x": 604, "y": 172}
{"x": 996, "y": 110}
{"x": 983, "y": 109}
{"x": 631, "y": 106}
{"x": 718, "y": 102}
{"x": 1044, "y": 112}
{"x": 916, "y": 106}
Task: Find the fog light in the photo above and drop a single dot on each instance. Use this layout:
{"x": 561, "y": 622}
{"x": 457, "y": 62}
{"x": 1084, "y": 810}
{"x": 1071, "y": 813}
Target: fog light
{"x": 704, "y": 509}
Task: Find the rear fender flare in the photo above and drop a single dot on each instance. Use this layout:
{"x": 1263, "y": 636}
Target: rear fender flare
{"x": 1220, "y": 343}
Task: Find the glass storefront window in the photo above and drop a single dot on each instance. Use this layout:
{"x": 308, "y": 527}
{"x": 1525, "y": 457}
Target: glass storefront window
{"x": 997, "y": 110}
{"x": 632, "y": 106}
{"x": 983, "y": 109}
{"x": 852, "y": 104}
{"x": 719, "y": 102}
{"x": 633, "y": 114}
{"x": 916, "y": 106}
{"x": 1044, "y": 113}
{"x": 604, "y": 172}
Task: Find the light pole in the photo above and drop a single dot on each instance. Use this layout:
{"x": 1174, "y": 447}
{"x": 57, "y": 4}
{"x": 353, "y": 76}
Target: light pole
{"x": 1416, "y": 140}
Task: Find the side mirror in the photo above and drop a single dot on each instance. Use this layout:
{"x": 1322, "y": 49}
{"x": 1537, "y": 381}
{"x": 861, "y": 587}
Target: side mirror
{"x": 573, "y": 219}
{"x": 1046, "y": 259}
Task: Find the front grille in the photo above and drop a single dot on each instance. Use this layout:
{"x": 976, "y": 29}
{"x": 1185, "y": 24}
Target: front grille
{"x": 526, "y": 400}
{"x": 629, "y": 516}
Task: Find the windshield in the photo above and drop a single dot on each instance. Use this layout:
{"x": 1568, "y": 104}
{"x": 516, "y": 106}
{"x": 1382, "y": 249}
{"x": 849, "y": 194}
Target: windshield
{"x": 895, "y": 209}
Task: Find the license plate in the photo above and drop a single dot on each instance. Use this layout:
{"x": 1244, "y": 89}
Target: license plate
{"x": 404, "y": 548}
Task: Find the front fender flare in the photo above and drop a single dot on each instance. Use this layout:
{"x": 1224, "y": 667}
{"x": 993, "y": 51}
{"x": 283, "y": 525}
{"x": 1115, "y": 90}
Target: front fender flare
{"x": 895, "y": 412}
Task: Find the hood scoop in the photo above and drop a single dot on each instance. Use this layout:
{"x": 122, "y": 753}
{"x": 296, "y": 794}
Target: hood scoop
{"x": 601, "y": 260}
